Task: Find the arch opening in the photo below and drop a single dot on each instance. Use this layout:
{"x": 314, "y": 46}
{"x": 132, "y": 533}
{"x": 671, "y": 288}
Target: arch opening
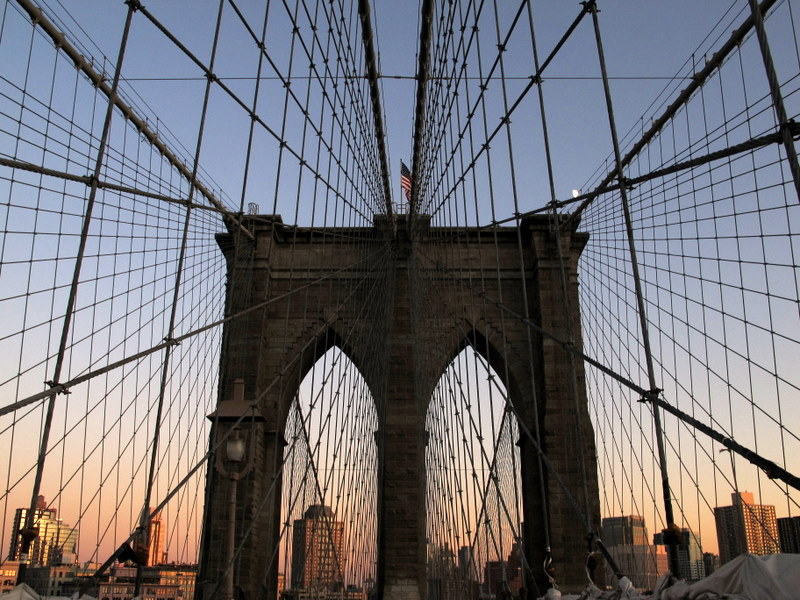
{"x": 473, "y": 485}
{"x": 329, "y": 489}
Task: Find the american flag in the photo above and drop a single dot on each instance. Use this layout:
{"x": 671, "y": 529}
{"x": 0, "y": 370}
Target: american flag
{"x": 405, "y": 180}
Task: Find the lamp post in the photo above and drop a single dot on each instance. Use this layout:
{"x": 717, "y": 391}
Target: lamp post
{"x": 235, "y": 462}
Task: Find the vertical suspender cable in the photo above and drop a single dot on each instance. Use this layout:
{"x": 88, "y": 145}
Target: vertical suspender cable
{"x": 653, "y": 392}
{"x": 556, "y": 229}
{"x": 145, "y": 514}
{"x": 526, "y": 307}
{"x": 698, "y": 79}
{"x": 29, "y": 533}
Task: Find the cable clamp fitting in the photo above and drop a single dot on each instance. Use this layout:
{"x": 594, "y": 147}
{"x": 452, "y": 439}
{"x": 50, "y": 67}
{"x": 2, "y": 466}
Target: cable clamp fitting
{"x": 651, "y": 395}
{"x": 60, "y": 388}
{"x": 791, "y": 126}
{"x": 172, "y": 341}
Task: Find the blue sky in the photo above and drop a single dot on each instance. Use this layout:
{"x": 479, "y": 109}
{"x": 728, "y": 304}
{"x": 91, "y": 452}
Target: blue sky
{"x": 646, "y": 43}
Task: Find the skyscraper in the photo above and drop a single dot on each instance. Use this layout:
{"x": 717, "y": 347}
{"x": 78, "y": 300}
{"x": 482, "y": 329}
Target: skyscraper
{"x": 55, "y": 543}
{"x": 467, "y": 569}
{"x": 789, "y": 532}
{"x": 745, "y": 527}
{"x": 317, "y": 544}
{"x": 155, "y": 541}
{"x": 627, "y": 540}
{"x": 495, "y": 578}
{"x": 690, "y": 554}
{"x": 710, "y": 562}
{"x": 629, "y": 530}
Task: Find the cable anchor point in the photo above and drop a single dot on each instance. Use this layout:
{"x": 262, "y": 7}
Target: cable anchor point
{"x": 651, "y": 396}
{"x": 59, "y": 388}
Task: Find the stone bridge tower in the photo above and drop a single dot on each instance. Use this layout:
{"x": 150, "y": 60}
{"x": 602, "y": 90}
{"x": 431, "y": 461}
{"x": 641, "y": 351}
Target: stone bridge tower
{"x": 272, "y": 347}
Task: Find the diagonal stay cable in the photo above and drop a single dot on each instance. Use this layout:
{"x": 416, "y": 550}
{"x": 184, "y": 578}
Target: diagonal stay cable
{"x": 223, "y": 438}
{"x": 107, "y": 185}
{"x": 534, "y": 80}
{"x": 63, "y": 388}
{"x": 253, "y": 115}
{"x": 58, "y": 38}
{"x": 772, "y": 470}
{"x": 697, "y": 81}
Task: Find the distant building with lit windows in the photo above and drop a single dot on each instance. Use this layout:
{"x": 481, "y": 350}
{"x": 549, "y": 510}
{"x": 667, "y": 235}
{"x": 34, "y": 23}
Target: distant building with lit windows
{"x": 745, "y": 527}
{"x": 155, "y": 541}
{"x": 182, "y": 575}
{"x": 58, "y": 580}
{"x": 9, "y": 571}
{"x": 56, "y": 542}
{"x": 317, "y": 545}
{"x": 164, "y": 582}
{"x": 121, "y": 585}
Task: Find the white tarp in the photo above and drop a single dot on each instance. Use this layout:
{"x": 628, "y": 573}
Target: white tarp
{"x": 747, "y": 577}
{"x": 21, "y": 592}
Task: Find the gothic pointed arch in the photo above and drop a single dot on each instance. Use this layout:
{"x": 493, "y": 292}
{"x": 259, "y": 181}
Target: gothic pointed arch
{"x": 401, "y": 306}
{"x": 306, "y": 350}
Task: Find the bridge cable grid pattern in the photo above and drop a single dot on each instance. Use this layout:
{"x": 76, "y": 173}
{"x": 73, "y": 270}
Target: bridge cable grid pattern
{"x": 136, "y": 283}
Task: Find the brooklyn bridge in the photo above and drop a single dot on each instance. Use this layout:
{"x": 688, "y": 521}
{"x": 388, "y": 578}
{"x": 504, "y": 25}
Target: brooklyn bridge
{"x": 340, "y": 300}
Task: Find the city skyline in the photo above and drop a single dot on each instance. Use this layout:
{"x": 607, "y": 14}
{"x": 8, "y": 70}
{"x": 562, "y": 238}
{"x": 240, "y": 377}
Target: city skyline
{"x": 637, "y": 524}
